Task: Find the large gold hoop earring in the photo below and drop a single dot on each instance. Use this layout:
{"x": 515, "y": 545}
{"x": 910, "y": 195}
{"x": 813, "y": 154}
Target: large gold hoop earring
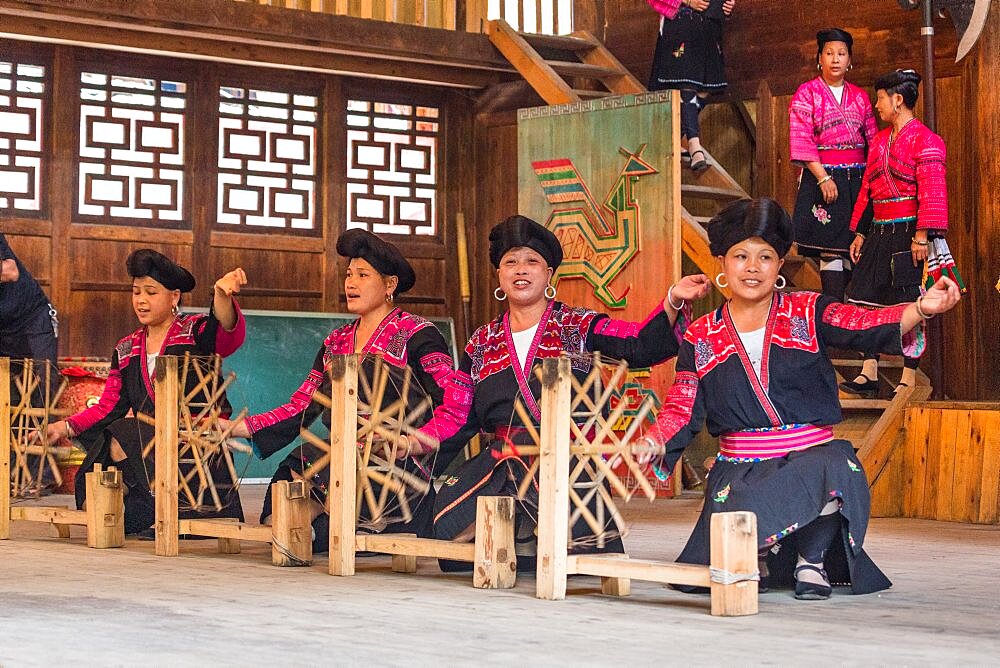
{"x": 718, "y": 280}
{"x": 548, "y": 294}
{"x": 499, "y": 294}
{"x": 783, "y": 282}
{"x": 174, "y": 309}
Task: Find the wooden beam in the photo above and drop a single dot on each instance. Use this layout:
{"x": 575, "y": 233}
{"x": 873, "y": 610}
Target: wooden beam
{"x": 262, "y": 36}
{"x": 48, "y": 514}
{"x": 165, "y": 454}
{"x": 734, "y": 556}
{"x": 404, "y": 545}
{"x": 5, "y": 448}
{"x": 599, "y": 56}
{"x": 225, "y": 528}
{"x": 618, "y": 566}
{"x": 343, "y": 462}
{"x": 765, "y": 148}
{"x": 553, "y": 479}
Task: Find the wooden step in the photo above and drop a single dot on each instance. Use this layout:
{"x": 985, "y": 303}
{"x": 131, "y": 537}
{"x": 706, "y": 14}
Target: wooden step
{"x": 559, "y": 42}
{"x": 572, "y": 69}
{"x": 590, "y": 94}
{"x": 710, "y": 192}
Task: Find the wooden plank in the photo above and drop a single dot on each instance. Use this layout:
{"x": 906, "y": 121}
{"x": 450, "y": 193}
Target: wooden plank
{"x": 734, "y": 554}
{"x": 877, "y": 447}
{"x": 5, "y": 439}
{"x": 49, "y": 514}
{"x": 947, "y": 450}
{"x": 407, "y": 545}
{"x": 931, "y": 464}
{"x": 986, "y": 437}
{"x": 571, "y": 69}
{"x": 966, "y": 479}
{"x": 619, "y": 566}
{"x": 224, "y": 528}
{"x": 343, "y": 463}
{"x": 913, "y": 463}
{"x": 577, "y": 42}
{"x": 553, "y": 479}
{"x": 165, "y": 455}
{"x": 711, "y": 192}
{"x": 495, "y": 565}
{"x": 532, "y": 67}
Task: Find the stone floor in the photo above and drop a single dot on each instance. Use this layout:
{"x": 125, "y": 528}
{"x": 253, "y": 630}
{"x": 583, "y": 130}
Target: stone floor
{"x": 62, "y": 602}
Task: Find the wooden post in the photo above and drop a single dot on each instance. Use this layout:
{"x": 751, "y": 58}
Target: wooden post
{"x": 495, "y": 564}
{"x": 404, "y": 563}
{"x": 612, "y": 586}
{"x": 766, "y": 150}
{"x": 553, "y": 479}
{"x": 4, "y": 448}
{"x": 165, "y": 449}
{"x": 343, "y": 462}
{"x": 733, "y": 555}
{"x": 105, "y": 508}
{"x": 227, "y": 545}
{"x": 291, "y": 524}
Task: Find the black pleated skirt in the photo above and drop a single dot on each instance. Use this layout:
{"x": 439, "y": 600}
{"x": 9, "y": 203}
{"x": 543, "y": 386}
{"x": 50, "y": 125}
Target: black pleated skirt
{"x": 787, "y": 493}
{"x": 689, "y": 54}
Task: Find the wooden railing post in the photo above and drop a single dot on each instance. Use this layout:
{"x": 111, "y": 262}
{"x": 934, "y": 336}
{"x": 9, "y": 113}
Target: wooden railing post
{"x": 553, "y": 479}
{"x": 5, "y": 448}
{"x": 343, "y": 462}
{"x": 165, "y": 449}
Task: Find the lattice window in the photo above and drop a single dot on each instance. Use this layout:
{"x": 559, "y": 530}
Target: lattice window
{"x": 392, "y": 167}
{"x": 267, "y": 159}
{"x": 547, "y": 17}
{"x": 131, "y": 149}
{"x": 22, "y": 102}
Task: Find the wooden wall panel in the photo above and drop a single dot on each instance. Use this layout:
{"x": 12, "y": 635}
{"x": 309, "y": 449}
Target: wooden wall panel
{"x": 947, "y": 466}
{"x": 35, "y": 253}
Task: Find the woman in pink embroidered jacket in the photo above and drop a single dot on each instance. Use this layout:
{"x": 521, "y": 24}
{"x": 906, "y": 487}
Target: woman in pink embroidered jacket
{"x": 376, "y": 275}
{"x": 497, "y": 370}
{"x": 756, "y": 369}
{"x": 830, "y": 126}
{"x": 111, "y": 438}
{"x": 905, "y": 182}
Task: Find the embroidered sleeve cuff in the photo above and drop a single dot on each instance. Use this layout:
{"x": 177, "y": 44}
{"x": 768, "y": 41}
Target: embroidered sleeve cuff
{"x": 914, "y": 342}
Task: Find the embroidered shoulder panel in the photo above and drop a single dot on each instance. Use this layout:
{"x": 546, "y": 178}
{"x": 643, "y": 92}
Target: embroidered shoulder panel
{"x": 794, "y": 329}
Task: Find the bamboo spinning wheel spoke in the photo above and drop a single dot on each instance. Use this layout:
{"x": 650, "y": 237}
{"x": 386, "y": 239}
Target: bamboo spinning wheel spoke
{"x": 391, "y": 403}
{"x": 36, "y": 393}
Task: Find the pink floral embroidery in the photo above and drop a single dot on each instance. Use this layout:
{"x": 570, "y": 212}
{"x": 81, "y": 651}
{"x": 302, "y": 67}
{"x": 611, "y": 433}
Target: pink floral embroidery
{"x": 822, "y": 215}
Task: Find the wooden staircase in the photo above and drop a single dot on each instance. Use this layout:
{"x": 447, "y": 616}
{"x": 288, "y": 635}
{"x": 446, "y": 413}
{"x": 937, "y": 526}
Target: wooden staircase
{"x": 572, "y": 68}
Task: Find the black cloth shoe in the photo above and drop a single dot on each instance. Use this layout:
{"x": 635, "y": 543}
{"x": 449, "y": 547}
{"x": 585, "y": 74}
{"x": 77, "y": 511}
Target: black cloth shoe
{"x": 810, "y": 591}
{"x": 698, "y": 164}
{"x": 867, "y": 389}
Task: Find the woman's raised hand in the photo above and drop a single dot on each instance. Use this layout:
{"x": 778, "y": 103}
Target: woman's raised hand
{"x": 690, "y": 288}
{"x": 728, "y": 6}
{"x": 231, "y": 283}
{"x": 941, "y": 297}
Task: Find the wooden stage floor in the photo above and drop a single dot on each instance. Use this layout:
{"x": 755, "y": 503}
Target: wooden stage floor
{"x": 62, "y": 602}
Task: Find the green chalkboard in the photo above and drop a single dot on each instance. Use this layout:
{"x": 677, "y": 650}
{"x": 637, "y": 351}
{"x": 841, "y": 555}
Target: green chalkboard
{"x": 279, "y": 351}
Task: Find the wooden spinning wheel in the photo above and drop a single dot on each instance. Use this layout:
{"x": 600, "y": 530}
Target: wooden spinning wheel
{"x": 38, "y": 391}
{"x": 596, "y": 445}
{"x": 202, "y": 441}
{"x": 390, "y": 404}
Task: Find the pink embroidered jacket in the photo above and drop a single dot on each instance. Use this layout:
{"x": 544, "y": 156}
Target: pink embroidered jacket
{"x": 835, "y": 134}
{"x": 905, "y": 179}
{"x": 401, "y": 339}
{"x": 129, "y": 386}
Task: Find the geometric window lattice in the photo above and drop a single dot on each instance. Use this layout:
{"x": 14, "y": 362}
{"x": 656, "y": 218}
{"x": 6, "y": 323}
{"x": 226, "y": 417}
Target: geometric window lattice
{"x": 392, "y": 167}
{"x": 267, "y": 159}
{"x": 131, "y": 149}
{"x": 22, "y": 93}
